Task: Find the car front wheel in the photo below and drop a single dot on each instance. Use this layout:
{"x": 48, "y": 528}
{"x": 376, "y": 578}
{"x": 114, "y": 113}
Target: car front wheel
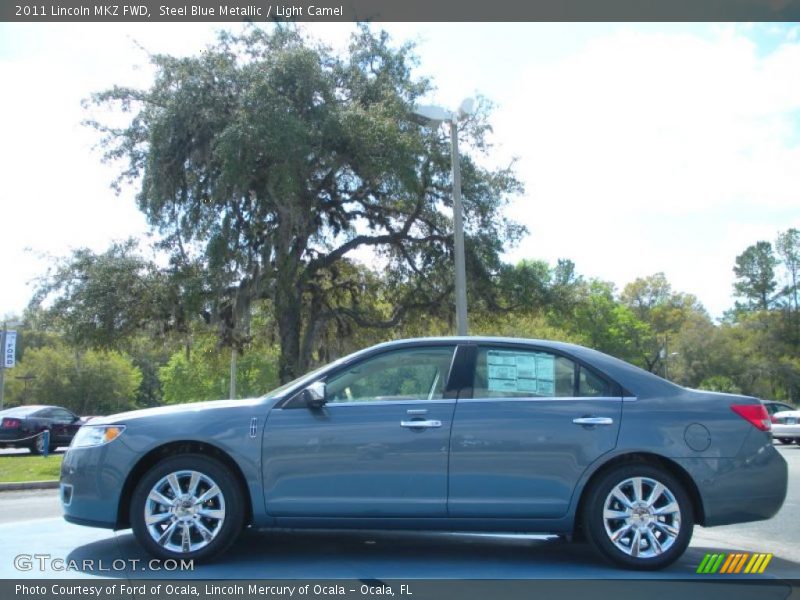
{"x": 638, "y": 517}
{"x": 188, "y": 507}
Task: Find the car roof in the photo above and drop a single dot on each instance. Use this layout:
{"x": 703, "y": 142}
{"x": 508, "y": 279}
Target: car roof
{"x": 23, "y": 410}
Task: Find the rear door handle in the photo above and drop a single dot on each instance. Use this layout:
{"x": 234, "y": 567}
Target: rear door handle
{"x": 420, "y": 423}
{"x": 593, "y": 421}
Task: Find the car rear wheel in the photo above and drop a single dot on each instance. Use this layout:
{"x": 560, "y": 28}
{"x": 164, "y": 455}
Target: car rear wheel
{"x": 37, "y": 446}
{"x": 188, "y": 507}
{"x": 638, "y": 517}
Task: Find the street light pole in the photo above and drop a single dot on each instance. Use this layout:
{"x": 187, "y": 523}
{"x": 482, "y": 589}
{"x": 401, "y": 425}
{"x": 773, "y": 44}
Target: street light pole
{"x": 458, "y": 233}
{"x": 435, "y": 115}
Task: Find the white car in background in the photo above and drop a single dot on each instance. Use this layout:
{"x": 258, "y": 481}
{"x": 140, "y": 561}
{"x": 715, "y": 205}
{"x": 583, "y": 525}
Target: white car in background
{"x": 785, "y": 422}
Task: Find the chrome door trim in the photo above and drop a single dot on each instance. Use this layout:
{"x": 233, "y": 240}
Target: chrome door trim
{"x": 593, "y": 421}
{"x": 421, "y": 424}
{"x": 545, "y": 399}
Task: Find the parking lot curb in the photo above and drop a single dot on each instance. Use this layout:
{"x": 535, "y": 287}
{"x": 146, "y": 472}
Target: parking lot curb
{"x": 28, "y": 485}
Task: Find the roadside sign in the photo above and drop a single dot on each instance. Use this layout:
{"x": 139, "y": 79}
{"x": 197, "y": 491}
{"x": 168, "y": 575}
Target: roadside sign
{"x": 9, "y": 349}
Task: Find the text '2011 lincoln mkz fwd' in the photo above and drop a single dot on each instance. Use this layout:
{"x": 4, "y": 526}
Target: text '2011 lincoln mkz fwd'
{"x": 451, "y": 434}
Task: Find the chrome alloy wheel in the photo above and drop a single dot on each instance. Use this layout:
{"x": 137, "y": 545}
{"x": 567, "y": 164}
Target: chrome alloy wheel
{"x": 642, "y": 518}
{"x": 184, "y": 511}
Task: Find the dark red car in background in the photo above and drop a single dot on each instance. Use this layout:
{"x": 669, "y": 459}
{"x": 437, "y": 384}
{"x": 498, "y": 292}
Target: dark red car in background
{"x": 22, "y": 426}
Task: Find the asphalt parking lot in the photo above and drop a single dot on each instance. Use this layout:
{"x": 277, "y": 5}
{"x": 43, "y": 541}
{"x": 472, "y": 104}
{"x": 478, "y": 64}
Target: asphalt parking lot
{"x": 30, "y": 524}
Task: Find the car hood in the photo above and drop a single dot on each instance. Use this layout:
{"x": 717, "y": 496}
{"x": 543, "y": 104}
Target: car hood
{"x": 173, "y": 409}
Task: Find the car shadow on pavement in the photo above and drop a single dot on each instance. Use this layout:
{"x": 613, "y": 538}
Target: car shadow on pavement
{"x": 386, "y": 555}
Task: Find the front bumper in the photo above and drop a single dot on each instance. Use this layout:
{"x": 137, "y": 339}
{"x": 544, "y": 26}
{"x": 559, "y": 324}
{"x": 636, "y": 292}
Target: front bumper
{"x": 92, "y": 480}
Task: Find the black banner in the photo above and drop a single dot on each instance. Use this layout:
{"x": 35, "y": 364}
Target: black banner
{"x": 401, "y": 10}
{"x": 412, "y": 589}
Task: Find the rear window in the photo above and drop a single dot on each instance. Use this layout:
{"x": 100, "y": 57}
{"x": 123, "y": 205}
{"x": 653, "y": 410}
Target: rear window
{"x": 774, "y": 407}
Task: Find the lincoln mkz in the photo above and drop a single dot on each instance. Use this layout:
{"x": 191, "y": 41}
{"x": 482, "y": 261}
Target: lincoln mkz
{"x": 447, "y": 434}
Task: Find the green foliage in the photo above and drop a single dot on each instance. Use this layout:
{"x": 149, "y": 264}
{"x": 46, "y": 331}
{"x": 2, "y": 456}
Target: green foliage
{"x": 30, "y": 468}
{"x": 203, "y": 372}
{"x": 663, "y": 312}
{"x": 94, "y": 382}
{"x": 755, "y": 276}
{"x": 719, "y": 383}
{"x": 98, "y": 300}
{"x": 788, "y": 247}
{"x": 267, "y": 159}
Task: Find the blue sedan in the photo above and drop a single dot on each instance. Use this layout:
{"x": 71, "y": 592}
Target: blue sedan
{"x": 449, "y": 434}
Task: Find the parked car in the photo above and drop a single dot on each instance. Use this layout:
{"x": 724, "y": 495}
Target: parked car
{"x": 464, "y": 434}
{"x": 22, "y": 426}
{"x": 785, "y": 427}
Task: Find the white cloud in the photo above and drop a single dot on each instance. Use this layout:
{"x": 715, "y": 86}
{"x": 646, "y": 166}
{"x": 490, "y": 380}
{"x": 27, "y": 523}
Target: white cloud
{"x": 657, "y": 152}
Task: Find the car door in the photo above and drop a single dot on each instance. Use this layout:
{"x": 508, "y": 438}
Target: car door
{"x": 63, "y": 427}
{"x": 536, "y": 420}
{"x": 378, "y": 447}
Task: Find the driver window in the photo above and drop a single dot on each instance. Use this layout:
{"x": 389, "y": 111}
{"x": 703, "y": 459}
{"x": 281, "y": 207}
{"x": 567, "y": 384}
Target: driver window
{"x": 413, "y": 374}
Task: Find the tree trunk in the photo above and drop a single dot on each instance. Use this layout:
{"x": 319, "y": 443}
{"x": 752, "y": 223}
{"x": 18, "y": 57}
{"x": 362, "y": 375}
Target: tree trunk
{"x": 287, "y": 314}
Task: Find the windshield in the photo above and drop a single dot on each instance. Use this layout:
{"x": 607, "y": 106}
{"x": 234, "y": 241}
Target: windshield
{"x": 278, "y": 391}
{"x": 308, "y": 377}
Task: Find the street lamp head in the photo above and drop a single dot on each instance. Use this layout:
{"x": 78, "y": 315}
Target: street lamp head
{"x": 467, "y": 108}
{"x": 431, "y": 115}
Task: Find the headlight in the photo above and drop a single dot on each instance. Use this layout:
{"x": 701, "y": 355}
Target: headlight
{"x": 96, "y": 435}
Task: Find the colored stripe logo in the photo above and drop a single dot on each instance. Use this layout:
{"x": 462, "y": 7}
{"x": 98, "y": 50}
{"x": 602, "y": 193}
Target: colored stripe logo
{"x": 739, "y": 562}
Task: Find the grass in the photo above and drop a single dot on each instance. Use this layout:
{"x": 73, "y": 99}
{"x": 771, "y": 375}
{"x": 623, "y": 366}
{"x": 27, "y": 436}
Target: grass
{"x": 23, "y": 467}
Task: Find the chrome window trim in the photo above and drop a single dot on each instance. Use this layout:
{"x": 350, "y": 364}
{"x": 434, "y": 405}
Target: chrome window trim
{"x": 383, "y": 403}
{"x": 544, "y": 399}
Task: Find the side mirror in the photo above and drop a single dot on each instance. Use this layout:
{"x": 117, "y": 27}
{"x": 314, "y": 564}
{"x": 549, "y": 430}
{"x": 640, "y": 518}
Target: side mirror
{"x": 314, "y": 395}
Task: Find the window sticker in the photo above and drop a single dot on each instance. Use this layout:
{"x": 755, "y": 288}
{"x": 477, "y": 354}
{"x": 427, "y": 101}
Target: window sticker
{"x": 526, "y": 372}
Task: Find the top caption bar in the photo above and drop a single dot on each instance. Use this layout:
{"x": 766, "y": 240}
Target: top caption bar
{"x": 400, "y": 10}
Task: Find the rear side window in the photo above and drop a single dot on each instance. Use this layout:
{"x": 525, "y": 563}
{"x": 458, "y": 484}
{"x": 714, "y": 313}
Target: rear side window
{"x": 62, "y": 415}
{"x": 520, "y": 373}
{"x": 512, "y": 373}
{"x": 591, "y": 385}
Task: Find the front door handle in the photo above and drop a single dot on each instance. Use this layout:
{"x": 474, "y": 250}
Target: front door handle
{"x": 593, "y": 421}
{"x": 420, "y": 423}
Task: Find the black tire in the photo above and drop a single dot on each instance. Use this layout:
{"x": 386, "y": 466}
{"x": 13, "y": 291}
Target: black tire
{"x": 37, "y": 445}
{"x": 652, "y": 528}
{"x": 786, "y": 440}
{"x": 229, "y": 502}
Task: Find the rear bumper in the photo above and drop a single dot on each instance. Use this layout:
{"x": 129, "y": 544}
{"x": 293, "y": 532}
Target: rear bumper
{"x": 751, "y": 487}
{"x": 785, "y": 431}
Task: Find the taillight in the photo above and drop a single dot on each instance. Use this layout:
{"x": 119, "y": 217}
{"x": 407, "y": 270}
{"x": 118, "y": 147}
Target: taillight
{"x": 774, "y": 419}
{"x": 756, "y": 414}
{"x": 11, "y": 423}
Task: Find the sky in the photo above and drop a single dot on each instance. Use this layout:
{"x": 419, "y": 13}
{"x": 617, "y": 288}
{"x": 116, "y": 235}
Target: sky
{"x": 643, "y": 148}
